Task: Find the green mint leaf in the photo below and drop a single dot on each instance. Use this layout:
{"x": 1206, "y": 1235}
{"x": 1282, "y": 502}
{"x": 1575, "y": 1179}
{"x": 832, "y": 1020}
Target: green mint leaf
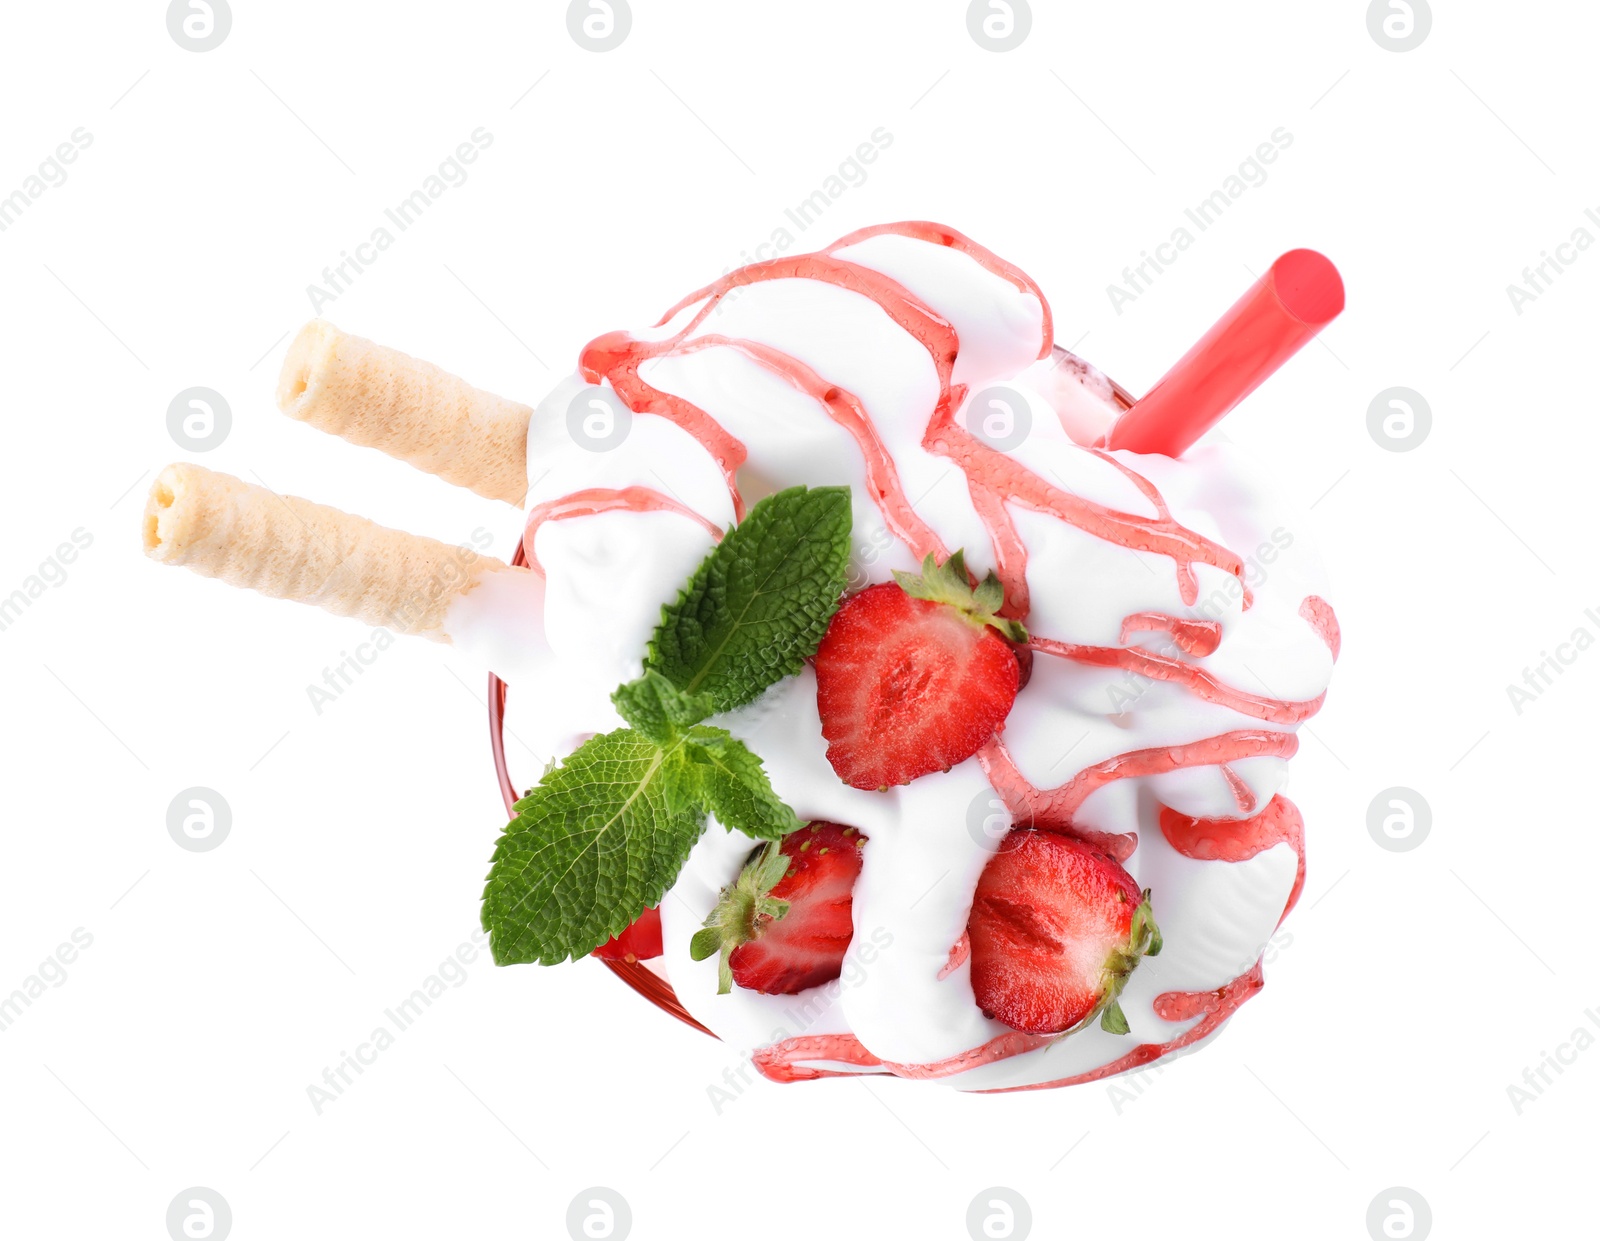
{"x": 592, "y": 845}
{"x": 723, "y": 776}
{"x": 657, "y": 708}
{"x": 758, "y": 605}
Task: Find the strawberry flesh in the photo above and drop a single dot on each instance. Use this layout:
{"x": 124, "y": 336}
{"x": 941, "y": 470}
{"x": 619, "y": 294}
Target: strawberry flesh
{"x": 906, "y": 687}
{"x": 639, "y": 942}
{"x": 1050, "y": 922}
{"x": 805, "y": 947}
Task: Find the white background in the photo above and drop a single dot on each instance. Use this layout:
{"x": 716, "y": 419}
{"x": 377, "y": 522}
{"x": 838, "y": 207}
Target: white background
{"x": 1418, "y": 986}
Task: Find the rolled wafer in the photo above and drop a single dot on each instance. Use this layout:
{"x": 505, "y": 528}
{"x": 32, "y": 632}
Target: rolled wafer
{"x": 382, "y": 398}
{"x": 290, "y": 548}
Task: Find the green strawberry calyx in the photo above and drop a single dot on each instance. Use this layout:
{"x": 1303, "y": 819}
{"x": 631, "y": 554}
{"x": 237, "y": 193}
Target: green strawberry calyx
{"x": 951, "y": 584}
{"x": 743, "y": 912}
{"x": 1144, "y": 940}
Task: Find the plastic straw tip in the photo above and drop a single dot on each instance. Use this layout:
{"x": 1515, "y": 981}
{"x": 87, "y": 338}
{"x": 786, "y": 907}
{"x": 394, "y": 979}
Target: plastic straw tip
{"x": 1308, "y": 286}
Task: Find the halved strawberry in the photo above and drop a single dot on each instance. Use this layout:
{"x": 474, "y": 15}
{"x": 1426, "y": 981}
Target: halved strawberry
{"x": 914, "y": 676}
{"x": 784, "y": 924}
{"x": 638, "y": 942}
{"x": 1056, "y": 929}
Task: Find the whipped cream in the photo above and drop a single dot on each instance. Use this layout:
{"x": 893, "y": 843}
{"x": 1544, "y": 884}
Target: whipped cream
{"x": 1176, "y": 650}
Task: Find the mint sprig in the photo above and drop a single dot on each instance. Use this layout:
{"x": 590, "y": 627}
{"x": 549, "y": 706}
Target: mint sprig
{"x": 603, "y": 835}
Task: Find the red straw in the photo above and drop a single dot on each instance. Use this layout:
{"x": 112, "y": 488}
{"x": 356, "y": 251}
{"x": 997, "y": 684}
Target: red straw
{"x": 1299, "y": 296}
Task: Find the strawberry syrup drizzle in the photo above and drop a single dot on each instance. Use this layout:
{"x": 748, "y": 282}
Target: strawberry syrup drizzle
{"x": 1010, "y": 552}
{"x": 959, "y": 952}
{"x": 1197, "y": 681}
{"x": 1217, "y": 1005}
{"x": 605, "y": 500}
{"x": 782, "y": 1061}
{"x": 939, "y": 235}
{"x": 1034, "y": 807}
{"x": 1238, "y": 840}
{"x": 1000, "y": 1047}
{"x": 990, "y": 470}
{"x": 1194, "y": 637}
{"x": 1227, "y": 747}
{"x": 1053, "y": 809}
{"x": 1188, "y": 588}
{"x": 1243, "y": 796}
{"x": 844, "y": 408}
{"x": 617, "y": 357}
{"x": 1321, "y": 618}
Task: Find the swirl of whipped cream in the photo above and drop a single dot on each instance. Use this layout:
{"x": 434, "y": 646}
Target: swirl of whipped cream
{"x": 1178, "y": 615}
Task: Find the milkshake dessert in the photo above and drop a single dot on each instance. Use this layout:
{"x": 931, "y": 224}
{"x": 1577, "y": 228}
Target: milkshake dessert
{"x": 907, "y": 698}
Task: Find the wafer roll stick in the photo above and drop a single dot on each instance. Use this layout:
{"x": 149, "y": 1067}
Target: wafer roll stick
{"x": 382, "y": 398}
{"x": 290, "y": 548}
